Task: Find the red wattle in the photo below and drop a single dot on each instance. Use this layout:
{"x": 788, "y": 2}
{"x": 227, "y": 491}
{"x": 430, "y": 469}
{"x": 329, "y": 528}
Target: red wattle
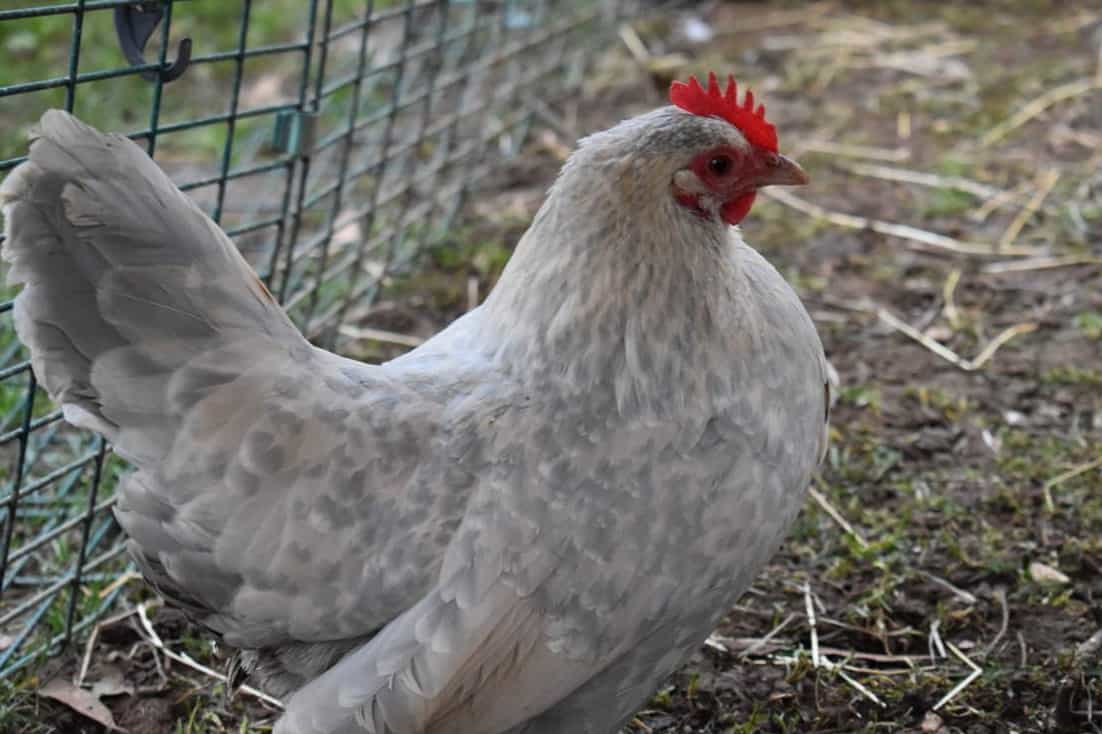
{"x": 735, "y": 210}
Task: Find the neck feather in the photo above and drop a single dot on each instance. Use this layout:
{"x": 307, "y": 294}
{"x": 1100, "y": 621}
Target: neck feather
{"x": 608, "y": 291}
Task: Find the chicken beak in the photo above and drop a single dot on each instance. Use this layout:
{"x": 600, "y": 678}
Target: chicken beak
{"x": 780, "y": 170}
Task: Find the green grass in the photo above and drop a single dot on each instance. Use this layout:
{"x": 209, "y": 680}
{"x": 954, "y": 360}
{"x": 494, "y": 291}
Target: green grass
{"x": 21, "y": 710}
{"x": 1090, "y": 323}
{"x": 948, "y": 202}
{"x": 39, "y": 48}
{"x": 1073, "y": 375}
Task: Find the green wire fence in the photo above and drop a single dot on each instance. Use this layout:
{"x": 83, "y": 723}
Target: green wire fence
{"x": 332, "y": 139}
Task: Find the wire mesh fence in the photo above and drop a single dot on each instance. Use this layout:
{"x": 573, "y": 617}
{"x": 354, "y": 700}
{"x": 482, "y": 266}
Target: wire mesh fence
{"x": 332, "y": 139}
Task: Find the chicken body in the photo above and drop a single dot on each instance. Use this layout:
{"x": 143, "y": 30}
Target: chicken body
{"x": 522, "y": 526}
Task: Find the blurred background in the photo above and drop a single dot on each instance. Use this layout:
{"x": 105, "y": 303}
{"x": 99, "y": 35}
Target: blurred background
{"x": 376, "y": 162}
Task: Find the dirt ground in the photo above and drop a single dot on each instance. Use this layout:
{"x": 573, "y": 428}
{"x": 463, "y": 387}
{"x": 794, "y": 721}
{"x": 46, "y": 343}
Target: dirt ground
{"x": 947, "y": 575}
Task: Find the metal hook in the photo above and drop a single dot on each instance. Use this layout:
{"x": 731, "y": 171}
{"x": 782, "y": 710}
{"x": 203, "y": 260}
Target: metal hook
{"x": 134, "y": 24}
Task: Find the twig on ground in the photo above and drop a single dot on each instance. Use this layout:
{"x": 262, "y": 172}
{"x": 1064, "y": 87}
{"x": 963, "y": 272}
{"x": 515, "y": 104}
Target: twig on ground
{"x": 934, "y": 643}
{"x": 829, "y": 509}
{"x": 818, "y": 603}
{"x": 855, "y": 32}
{"x": 1089, "y": 140}
{"x": 952, "y": 315}
{"x": 964, "y": 596}
{"x": 891, "y": 155}
{"x": 977, "y": 671}
{"x": 747, "y": 646}
{"x": 182, "y": 658}
{"x": 998, "y": 201}
{"x": 1038, "y": 105}
{"x": 716, "y": 643}
{"x": 768, "y": 637}
{"x": 810, "y": 610}
{"x": 910, "y": 670}
{"x": 903, "y": 125}
{"x": 635, "y": 45}
{"x": 380, "y": 335}
{"x": 819, "y": 660}
{"x": 778, "y": 19}
{"x": 902, "y": 632}
{"x": 1000, "y": 339}
{"x": 159, "y": 664}
{"x": 922, "y": 237}
{"x": 1039, "y": 263}
{"x": 1046, "y": 180}
{"x": 931, "y": 61}
{"x": 875, "y": 657}
{"x": 122, "y": 580}
{"x": 968, "y": 365}
{"x": 472, "y": 293}
{"x": 1073, "y": 24}
{"x": 860, "y": 688}
{"x": 90, "y": 645}
{"x": 840, "y": 669}
{"x": 1098, "y": 69}
{"x": 1075, "y": 471}
{"x": 86, "y": 660}
{"x": 1000, "y": 596}
{"x": 922, "y": 178}
{"x": 760, "y": 614}
{"x": 1024, "y": 659}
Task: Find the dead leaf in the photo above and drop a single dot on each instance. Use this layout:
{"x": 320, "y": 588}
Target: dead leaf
{"x": 81, "y": 701}
{"x": 1043, "y": 574}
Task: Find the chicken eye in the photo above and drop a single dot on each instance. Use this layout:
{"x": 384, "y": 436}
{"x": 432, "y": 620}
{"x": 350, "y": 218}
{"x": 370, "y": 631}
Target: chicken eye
{"x": 720, "y": 165}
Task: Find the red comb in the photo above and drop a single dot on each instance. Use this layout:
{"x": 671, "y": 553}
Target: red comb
{"x": 751, "y": 123}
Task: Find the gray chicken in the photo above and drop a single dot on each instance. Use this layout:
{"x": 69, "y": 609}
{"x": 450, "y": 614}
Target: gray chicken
{"x": 522, "y": 526}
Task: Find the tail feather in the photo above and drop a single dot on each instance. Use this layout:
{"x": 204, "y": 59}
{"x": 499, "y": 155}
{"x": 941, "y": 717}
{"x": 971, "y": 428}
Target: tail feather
{"x": 147, "y": 325}
{"x": 126, "y": 282}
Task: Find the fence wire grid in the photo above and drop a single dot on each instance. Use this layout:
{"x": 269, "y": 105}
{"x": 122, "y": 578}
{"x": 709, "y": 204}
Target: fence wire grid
{"x": 332, "y": 139}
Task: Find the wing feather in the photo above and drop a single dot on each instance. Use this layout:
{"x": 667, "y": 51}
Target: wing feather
{"x": 283, "y": 493}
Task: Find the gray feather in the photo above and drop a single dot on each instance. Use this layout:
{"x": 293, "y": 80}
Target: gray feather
{"x": 520, "y": 527}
